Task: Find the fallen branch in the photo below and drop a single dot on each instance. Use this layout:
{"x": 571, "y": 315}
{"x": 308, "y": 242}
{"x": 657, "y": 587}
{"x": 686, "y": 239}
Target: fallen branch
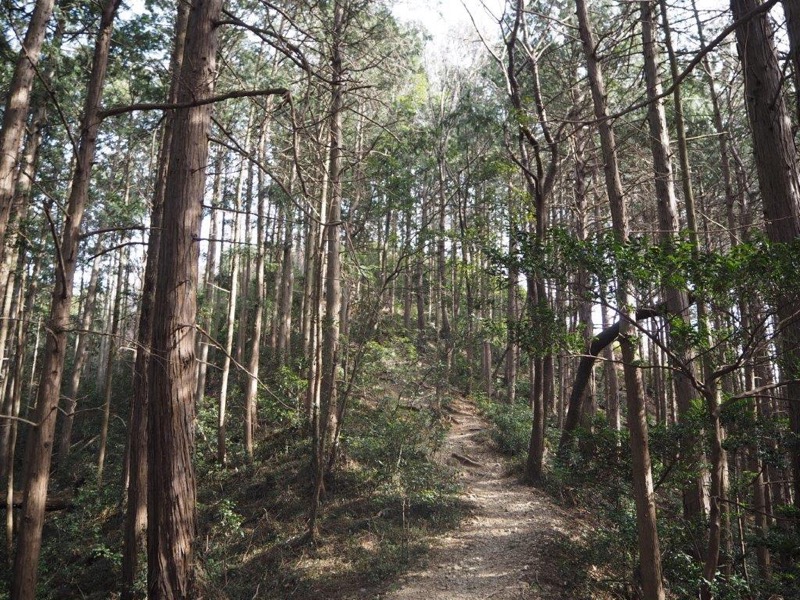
{"x": 61, "y": 502}
{"x": 466, "y": 460}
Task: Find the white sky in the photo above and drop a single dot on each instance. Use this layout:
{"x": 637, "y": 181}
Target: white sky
{"x": 449, "y": 25}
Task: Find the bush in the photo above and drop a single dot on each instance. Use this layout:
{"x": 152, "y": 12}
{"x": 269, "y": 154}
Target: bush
{"x": 512, "y": 425}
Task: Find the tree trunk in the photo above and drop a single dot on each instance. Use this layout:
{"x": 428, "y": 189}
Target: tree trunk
{"x": 112, "y": 350}
{"x": 251, "y": 381}
{"x": 14, "y": 401}
{"x": 15, "y": 114}
{"x": 81, "y": 355}
{"x": 677, "y": 300}
{"x": 40, "y": 441}
{"x": 333, "y": 273}
{"x": 233, "y": 297}
{"x": 171, "y": 482}
{"x": 136, "y": 514}
{"x": 776, "y": 165}
{"x": 210, "y": 299}
{"x": 649, "y": 553}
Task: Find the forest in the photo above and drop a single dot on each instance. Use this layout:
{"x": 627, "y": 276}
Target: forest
{"x": 292, "y": 292}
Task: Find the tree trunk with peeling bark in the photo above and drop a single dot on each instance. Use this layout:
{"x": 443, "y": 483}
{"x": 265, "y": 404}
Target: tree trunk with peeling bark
{"x": 171, "y": 525}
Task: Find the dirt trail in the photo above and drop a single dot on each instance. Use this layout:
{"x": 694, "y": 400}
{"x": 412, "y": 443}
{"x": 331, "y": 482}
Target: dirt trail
{"x": 505, "y": 548}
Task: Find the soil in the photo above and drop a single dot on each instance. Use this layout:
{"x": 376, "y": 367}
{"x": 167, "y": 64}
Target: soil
{"x": 511, "y": 544}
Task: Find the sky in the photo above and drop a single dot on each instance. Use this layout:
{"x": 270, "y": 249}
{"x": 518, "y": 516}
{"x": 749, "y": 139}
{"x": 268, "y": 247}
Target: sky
{"x": 449, "y": 25}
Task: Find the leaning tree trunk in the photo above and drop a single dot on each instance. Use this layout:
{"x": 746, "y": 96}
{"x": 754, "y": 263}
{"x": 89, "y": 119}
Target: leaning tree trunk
{"x": 15, "y": 114}
{"x": 40, "y": 440}
{"x": 170, "y": 475}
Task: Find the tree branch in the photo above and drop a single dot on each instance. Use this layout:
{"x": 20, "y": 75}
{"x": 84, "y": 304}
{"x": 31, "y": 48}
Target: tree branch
{"x": 121, "y": 110}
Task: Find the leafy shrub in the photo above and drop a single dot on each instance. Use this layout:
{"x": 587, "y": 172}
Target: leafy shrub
{"x": 512, "y": 425}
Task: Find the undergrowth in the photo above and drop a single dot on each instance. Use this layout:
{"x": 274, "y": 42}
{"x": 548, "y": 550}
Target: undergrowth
{"x": 593, "y": 476}
{"x": 384, "y": 499}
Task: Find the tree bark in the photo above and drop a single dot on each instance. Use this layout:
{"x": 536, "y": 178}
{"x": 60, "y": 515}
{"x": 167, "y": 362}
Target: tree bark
{"x": 16, "y": 110}
{"x": 171, "y": 482}
{"x": 776, "y": 165}
{"x": 136, "y": 513}
{"x": 40, "y": 441}
{"x": 649, "y": 553}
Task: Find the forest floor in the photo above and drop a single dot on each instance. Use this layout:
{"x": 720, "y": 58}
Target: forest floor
{"x": 511, "y": 545}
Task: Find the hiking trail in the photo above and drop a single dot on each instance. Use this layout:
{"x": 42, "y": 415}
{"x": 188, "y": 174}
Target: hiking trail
{"x": 507, "y": 546}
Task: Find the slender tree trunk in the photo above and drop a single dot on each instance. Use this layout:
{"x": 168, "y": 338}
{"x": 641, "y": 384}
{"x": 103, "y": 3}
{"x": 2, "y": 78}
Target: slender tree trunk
{"x": 14, "y": 401}
{"x": 13, "y": 397}
{"x": 9, "y": 283}
{"x": 40, "y": 441}
{"x": 284, "y": 325}
{"x": 251, "y": 382}
{"x": 15, "y": 114}
{"x": 81, "y": 356}
{"x": 444, "y": 332}
{"x": 582, "y": 280}
{"x": 210, "y": 284}
{"x": 112, "y": 351}
{"x": 136, "y": 514}
{"x": 312, "y": 298}
{"x": 233, "y": 296}
{"x": 677, "y": 300}
{"x": 333, "y": 273}
{"x": 649, "y": 553}
{"x": 512, "y": 311}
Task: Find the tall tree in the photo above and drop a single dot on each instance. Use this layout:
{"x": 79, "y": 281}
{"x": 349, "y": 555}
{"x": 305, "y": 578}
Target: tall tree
{"x": 15, "y": 114}
{"x": 778, "y": 178}
{"x": 136, "y": 510}
{"x": 171, "y": 523}
{"x": 40, "y": 440}
{"x": 323, "y": 426}
{"x": 649, "y": 552}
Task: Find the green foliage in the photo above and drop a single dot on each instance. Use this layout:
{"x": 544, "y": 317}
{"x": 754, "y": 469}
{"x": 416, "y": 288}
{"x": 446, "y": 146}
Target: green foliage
{"x": 394, "y": 449}
{"x": 511, "y": 425}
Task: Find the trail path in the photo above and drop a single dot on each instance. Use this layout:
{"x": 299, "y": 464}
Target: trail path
{"x": 505, "y": 549}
